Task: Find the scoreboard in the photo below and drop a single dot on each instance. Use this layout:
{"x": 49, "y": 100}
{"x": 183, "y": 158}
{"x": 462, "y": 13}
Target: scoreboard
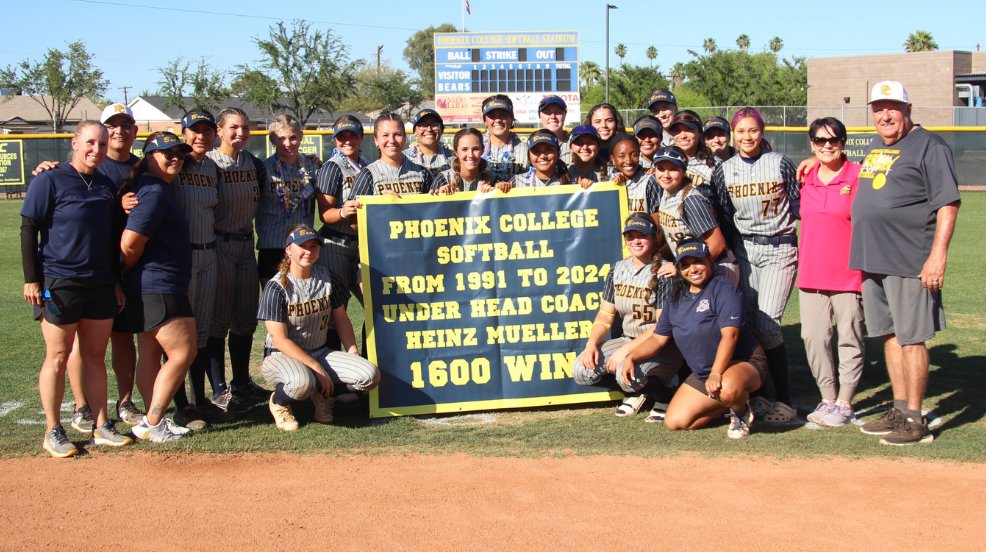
{"x": 525, "y": 66}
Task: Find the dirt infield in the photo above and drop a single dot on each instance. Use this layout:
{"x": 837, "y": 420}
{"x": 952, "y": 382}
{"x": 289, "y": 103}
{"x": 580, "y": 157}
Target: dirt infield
{"x": 287, "y": 502}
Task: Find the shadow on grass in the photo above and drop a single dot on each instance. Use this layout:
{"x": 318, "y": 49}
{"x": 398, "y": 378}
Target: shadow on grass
{"x": 956, "y": 383}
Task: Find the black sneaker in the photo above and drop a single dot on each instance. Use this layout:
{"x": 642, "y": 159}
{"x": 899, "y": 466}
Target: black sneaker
{"x": 189, "y": 417}
{"x": 885, "y": 424}
{"x": 228, "y": 402}
{"x": 909, "y": 432}
{"x": 249, "y": 391}
{"x": 213, "y": 414}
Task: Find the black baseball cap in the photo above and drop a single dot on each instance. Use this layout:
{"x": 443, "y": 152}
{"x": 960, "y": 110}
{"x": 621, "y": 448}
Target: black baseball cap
{"x": 661, "y": 95}
{"x": 648, "y": 122}
{"x": 542, "y": 136}
{"x": 716, "y": 122}
{"x": 691, "y": 248}
{"x": 197, "y": 116}
{"x": 498, "y": 102}
{"x": 347, "y": 125}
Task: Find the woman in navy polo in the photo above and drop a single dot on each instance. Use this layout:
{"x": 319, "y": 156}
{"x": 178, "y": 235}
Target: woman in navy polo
{"x": 70, "y": 276}
{"x": 157, "y": 260}
{"x": 705, "y": 316}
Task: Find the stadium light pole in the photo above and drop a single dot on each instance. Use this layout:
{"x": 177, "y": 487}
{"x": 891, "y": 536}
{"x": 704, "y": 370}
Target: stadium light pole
{"x": 608, "y": 7}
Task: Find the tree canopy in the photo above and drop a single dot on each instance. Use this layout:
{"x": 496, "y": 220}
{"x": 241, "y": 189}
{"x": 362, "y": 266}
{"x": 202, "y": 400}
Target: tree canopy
{"x": 920, "y": 41}
{"x": 420, "y": 56}
{"x": 58, "y": 82}
{"x": 187, "y": 87}
{"x": 737, "y": 77}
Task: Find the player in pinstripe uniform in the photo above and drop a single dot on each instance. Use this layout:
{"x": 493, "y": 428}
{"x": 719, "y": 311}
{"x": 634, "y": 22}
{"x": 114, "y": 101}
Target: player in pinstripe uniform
{"x": 547, "y": 168}
{"x": 686, "y": 213}
{"x": 715, "y": 133}
{"x": 340, "y": 248}
{"x": 196, "y": 190}
{"x": 469, "y": 172}
{"x": 686, "y": 131}
{"x": 428, "y": 150}
{"x": 503, "y": 150}
{"x": 287, "y": 199}
{"x": 643, "y": 194}
{"x": 586, "y": 165}
{"x": 393, "y": 173}
{"x": 759, "y": 195}
{"x": 296, "y": 307}
{"x": 237, "y": 291}
{"x": 634, "y": 293}
{"x": 552, "y": 111}
{"x": 663, "y": 106}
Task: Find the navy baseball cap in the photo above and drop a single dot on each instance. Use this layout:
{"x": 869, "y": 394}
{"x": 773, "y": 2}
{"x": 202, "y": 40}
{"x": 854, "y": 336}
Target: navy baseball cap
{"x": 165, "y": 141}
{"x": 302, "y": 235}
{"x": 421, "y": 115}
{"x": 687, "y": 118}
{"x": 691, "y": 248}
{"x": 498, "y": 102}
{"x": 672, "y": 155}
{"x": 639, "y": 224}
{"x": 661, "y": 95}
{"x": 197, "y": 116}
{"x": 648, "y": 122}
{"x": 716, "y": 122}
{"x": 549, "y": 100}
{"x": 542, "y": 136}
{"x": 583, "y": 130}
{"x": 347, "y": 125}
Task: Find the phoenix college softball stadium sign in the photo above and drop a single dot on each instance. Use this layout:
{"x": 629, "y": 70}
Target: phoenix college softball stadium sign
{"x": 481, "y": 301}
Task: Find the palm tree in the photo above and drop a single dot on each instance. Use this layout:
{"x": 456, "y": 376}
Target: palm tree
{"x": 621, "y": 52}
{"x": 920, "y": 41}
{"x": 776, "y": 44}
{"x": 743, "y": 41}
{"x": 651, "y": 55}
{"x": 589, "y": 73}
{"x": 709, "y": 45}
{"x": 677, "y": 74}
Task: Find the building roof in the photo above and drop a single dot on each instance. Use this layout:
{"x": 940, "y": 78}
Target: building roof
{"x": 151, "y": 109}
{"x": 31, "y": 112}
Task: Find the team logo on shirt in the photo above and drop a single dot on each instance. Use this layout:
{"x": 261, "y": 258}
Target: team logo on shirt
{"x": 876, "y": 166}
{"x": 703, "y": 306}
{"x": 845, "y": 190}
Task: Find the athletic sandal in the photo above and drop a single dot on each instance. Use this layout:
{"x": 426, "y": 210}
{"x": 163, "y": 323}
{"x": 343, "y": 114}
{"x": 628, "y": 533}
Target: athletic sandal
{"x": 779, "y": 413}
{"x": 760, "y": 405}
{"x": 631, "y": 405}
{"x": 657, "y": 413}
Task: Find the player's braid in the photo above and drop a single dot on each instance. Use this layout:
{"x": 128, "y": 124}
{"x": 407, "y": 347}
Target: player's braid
{"x": 283, "y": 268}
{"x": 456, "y": 177}
{"x": 687, "y": 186}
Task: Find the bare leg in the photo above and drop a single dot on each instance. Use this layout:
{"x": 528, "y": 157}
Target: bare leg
{"x": 93, "y": 336}
{"x": 691, "y": 409}
{"x": 51, "y": 381}
{"x": 894, "y": 357}
{"x": 915, "y": 370}
{"x": 176, "y": 339}
{"x": 75, "y": 377}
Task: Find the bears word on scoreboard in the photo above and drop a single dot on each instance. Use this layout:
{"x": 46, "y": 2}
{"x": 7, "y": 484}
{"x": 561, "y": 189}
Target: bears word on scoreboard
{"x": 525, "y": 66}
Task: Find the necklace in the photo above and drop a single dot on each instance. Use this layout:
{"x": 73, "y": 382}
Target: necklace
{"x": 89, "y": 183}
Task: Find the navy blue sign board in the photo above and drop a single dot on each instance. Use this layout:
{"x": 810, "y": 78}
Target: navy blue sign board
{"x": 484, "y": 301}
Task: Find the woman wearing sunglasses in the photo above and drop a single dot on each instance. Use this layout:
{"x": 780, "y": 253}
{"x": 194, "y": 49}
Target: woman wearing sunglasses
{"x": 826, "y": 286}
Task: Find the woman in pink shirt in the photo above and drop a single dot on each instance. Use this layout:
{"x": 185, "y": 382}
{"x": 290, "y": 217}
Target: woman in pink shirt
{"x": 826, "y": 286}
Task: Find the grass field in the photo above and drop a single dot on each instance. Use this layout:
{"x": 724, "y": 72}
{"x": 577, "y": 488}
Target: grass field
{"x": 956, "y": 394}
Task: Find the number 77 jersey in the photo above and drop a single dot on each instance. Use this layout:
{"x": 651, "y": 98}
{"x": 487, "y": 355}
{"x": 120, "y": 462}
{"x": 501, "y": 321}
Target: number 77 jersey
{"x": 759, "y": 197}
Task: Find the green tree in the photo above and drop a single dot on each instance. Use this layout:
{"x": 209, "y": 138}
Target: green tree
{"x": 589, "y": 74}
{"x": 687, "y": 97}
{"x": 185, "y": 87}
{"x": 651, "y": 54}
{"x": 709, "y": 45}
{"x": 920, "y": 41}
{"x": 420, "y": 56}
{"x": 736, "y": 77}
{"x": 677, "y": 75}
{"x": 743, "y": 41}
{"x": 311, "y": 69}
{"x": 776, "y": 44}
{"x": 58, "y": 82}
{"x": 620, "y": 51}
{"x": 383, "y": 89}
{"x": 257, "y": 88}
{"x": 629, "y": 87}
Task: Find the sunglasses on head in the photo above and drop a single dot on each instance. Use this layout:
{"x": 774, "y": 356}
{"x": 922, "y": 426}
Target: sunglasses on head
{"x": 821, "y": 140}
{"x": 170, "y": 154}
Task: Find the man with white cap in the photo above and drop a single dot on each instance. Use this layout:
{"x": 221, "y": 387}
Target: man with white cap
{"x": 902, "y": 221}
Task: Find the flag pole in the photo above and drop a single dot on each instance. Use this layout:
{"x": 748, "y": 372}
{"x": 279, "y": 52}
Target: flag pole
{"x": 462, "y": 11}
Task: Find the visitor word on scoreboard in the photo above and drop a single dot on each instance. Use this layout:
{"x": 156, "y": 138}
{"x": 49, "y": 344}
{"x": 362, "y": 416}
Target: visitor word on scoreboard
{"x": 525, "y": 66}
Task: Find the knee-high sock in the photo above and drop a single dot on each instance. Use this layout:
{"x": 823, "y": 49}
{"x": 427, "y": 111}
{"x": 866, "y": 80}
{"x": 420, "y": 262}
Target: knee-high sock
{"x": 217, "y": 364}
{"x": 777, "y": 364}
{"x": 197, "y": 374}
{"x": 239, "y": 357}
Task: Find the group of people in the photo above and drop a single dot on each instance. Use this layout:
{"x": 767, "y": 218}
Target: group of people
{"x": 163, "y": 247}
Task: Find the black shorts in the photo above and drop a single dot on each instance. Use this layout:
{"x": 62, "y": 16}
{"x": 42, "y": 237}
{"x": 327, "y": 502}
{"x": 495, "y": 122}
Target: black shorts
{"x": 121, "y": 324}
{"x": 267, "y": 263}
{"x": 72, "y": 300}
{"x": 151, "y": 310}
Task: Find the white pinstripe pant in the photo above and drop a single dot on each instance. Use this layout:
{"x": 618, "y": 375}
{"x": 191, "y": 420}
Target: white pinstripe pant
{"x": 767, "y": 274}
{"x": 237, "y": 290}
{"x": 202, "y": 292}
{"x": 664, "y": 366}
{"x": 299, "y": 380}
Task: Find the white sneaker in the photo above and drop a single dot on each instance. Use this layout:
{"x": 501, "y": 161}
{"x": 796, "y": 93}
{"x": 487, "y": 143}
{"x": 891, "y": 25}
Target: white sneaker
{"x": 161, "y": 433}
{"x": 283, "y": 417}
{"x": 820, "y": 411}
{"x": 739, "y": 426}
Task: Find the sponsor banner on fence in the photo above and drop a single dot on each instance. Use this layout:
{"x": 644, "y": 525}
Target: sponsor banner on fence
{"x": 480, "y": 301}
{"x": 11, "y": 162}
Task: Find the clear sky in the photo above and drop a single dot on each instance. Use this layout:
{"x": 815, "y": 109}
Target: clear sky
{"x": 131, "y": 39}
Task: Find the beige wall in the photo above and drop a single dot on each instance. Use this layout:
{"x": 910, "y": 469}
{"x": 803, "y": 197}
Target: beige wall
{"x": 928, "y": 76}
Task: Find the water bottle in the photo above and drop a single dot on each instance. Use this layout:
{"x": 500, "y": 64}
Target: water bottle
{"x": 52, "y": 307}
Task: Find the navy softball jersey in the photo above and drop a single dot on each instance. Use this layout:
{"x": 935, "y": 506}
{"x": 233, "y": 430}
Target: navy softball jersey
{"x": 166, "y": 264}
